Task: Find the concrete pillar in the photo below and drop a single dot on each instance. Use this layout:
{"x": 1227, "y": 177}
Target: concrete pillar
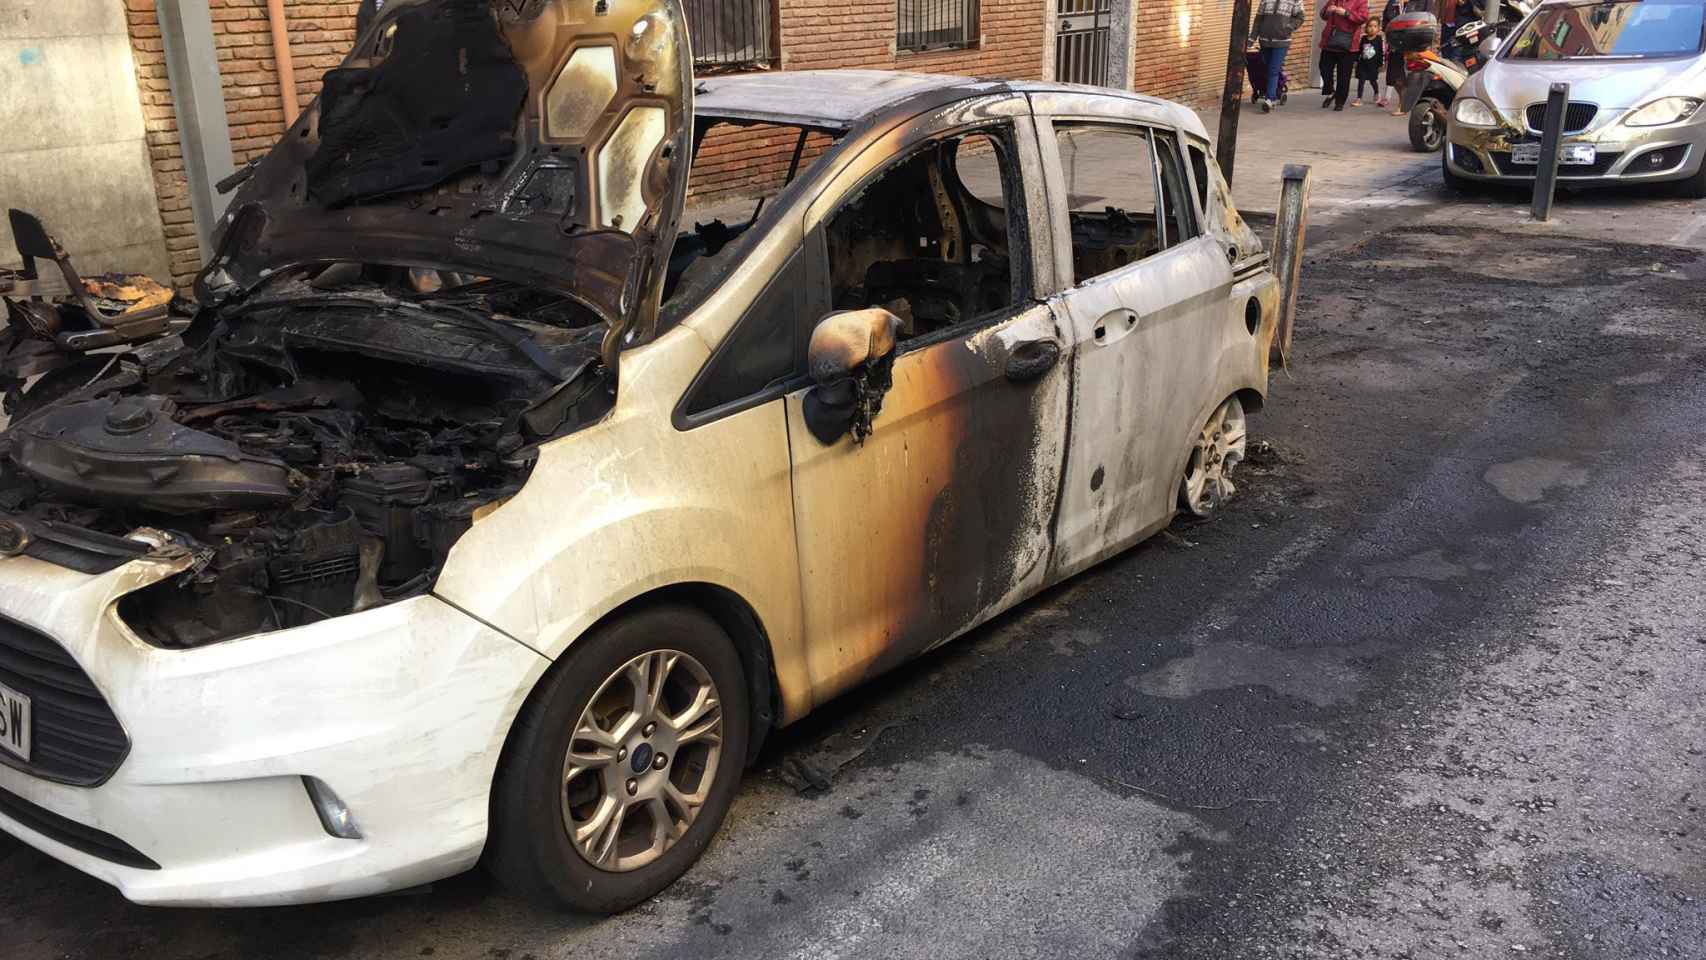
{"x": 73, "y": 150}
{"x": 1121, "y": 44}
{"x": 192, "y": 66}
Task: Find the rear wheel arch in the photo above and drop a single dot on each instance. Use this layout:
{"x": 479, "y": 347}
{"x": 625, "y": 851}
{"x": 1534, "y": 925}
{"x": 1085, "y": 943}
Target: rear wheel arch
{"x": 1252, "y": 399}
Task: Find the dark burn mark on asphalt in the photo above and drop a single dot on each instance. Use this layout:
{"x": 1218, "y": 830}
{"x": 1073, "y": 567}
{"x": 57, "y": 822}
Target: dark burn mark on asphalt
{"x": 1273, "y": 870}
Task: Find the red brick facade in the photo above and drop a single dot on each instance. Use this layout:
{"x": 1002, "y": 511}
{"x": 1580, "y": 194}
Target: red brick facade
{"x": 1180, "y": 46}
{"x": 1179, "y": 52}
{"x": 320, "y": 35}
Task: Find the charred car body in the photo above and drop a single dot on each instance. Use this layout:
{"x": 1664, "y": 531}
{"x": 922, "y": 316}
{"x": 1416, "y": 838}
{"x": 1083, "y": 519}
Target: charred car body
{"x": 480, "y": 511}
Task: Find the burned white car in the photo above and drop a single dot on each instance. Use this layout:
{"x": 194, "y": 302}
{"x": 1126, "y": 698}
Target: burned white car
{"x": 481, "y": 512}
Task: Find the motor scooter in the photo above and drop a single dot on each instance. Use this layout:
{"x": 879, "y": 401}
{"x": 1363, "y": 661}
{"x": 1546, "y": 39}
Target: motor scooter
{"x": 1437, "y": 72}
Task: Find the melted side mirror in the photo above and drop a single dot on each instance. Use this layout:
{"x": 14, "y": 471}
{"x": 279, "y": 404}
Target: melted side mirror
{"x": 851, "y": 358}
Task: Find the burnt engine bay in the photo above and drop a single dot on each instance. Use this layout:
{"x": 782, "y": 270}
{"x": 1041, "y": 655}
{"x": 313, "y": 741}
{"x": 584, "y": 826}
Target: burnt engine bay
{"x": 316, "y": 451}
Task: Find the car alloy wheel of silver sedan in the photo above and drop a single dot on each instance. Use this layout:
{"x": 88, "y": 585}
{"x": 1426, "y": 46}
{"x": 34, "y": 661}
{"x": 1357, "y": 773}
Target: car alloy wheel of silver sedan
{"x": 643, "y": 757}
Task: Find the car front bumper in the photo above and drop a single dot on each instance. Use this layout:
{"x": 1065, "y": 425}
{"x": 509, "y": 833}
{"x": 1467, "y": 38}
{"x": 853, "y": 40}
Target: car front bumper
{"x": 1625, "y": 155}
{"x": 402, "y": 710}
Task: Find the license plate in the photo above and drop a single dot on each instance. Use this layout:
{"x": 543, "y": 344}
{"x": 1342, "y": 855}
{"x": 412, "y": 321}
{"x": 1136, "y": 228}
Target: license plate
{"x": 1569, "y": 154}
{"x": 14, "y": 722}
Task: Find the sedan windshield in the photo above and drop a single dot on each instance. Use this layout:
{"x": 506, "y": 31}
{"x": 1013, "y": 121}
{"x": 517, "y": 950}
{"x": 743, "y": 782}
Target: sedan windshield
{"x": 1621, "y": 28}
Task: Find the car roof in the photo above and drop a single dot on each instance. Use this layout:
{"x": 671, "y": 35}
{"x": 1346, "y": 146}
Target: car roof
{"x": 838, "y": 99}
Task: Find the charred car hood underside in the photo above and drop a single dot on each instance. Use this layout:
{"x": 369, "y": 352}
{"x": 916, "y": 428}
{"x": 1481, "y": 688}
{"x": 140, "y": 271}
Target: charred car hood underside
{"x": 316, "y": 453}
{"x": 424, "y": 281}
{"x": 540, "y": 140}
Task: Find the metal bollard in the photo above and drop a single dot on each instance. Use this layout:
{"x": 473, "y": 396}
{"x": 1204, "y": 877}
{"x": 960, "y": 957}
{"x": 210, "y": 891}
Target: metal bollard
{"x": 1551, "y": 141}
{"x": 1287, "y": 262}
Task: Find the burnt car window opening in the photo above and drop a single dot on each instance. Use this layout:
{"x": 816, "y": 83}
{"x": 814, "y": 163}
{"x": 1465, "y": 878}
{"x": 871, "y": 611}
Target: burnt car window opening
{"x": 1175, "y": 192}
{"x": 1111, "y": 187}
{"x": 739, "y": 170}
{"x": 919, "y": 242}
{"x": 765, "y": 349}
{"x": 1639, "y": 29}
{"x": 1199, "y": 174}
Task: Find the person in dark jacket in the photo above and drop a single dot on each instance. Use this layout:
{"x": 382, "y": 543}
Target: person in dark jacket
{"x": 1276, "y": 21}
{"x": 1397, "y": 73}
{"x": 1342, "y": 25}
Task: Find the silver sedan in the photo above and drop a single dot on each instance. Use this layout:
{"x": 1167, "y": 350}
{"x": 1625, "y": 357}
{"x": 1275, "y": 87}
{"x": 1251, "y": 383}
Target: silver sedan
{"x": 1637, "y": 75}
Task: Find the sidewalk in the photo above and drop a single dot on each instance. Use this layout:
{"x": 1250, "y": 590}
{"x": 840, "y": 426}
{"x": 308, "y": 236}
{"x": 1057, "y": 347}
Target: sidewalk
{"x": 1363, "y": 165}
{"x": 1354, "y": 154}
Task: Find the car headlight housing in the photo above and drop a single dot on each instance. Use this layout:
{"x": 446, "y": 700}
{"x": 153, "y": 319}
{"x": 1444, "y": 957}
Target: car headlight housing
{"x": 1660, "y": 112}
{"x": 1473, "y": 113}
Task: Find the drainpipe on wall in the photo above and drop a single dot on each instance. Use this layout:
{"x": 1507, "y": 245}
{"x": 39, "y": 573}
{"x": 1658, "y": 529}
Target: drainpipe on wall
{"x": 286, "y": 67}
{"x": 198, "y": 101}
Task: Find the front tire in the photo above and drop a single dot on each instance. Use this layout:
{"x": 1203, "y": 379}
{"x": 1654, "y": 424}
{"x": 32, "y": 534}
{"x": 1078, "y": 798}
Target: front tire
{"x": 1453, "y": 182}
{"x": 1427, "y": 126}
{"x": 623, "y": 764}
{"x": 1693, "y": 188}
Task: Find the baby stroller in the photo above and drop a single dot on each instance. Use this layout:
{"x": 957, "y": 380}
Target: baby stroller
{"x": 1257, "y": 69}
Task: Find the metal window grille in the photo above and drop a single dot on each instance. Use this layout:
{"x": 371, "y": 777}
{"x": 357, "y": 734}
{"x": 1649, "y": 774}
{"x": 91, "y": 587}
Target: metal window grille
{"x": 935, "y": 24}
{"x": 1083, "y": 30}
{"x": 731, "y": 33}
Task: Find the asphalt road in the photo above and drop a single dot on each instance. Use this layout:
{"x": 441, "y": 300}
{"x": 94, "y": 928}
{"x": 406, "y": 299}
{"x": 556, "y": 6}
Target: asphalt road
{"x": 1429, "y": 688}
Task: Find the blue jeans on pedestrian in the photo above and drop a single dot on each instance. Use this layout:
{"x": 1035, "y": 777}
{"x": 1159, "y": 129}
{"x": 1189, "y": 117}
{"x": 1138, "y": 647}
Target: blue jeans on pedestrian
{"x": 1274, "y": 57}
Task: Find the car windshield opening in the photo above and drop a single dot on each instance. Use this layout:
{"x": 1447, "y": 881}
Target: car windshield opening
{"x": 739, "y": 168}
{"x": 1636, "y": 29}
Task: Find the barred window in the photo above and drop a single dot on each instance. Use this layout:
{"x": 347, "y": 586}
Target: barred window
{"x": 935, "y": 24}
{"x": 731, "y": 33}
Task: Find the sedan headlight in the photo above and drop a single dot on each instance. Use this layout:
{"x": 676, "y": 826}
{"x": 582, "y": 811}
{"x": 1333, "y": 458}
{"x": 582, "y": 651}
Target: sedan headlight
{"x": 1473, "y": 113}
{"x": 1660, "y": 112}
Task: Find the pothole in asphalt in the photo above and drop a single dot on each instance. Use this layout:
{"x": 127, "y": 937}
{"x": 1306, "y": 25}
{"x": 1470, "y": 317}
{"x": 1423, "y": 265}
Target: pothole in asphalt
{"x": 1323, "y": 677}
{"x": 1529, "y": 480}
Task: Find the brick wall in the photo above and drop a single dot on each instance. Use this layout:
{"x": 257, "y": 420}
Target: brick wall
{"x": 1180, "y": 49}
{"x": 837, "y": 34}
{"x": 1179, "y": 52}
{"x": 320, "y": 34}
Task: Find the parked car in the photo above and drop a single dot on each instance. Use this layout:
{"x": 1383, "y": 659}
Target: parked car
{"x": 1637, "y": 75}
{"x": 480, "y": 511}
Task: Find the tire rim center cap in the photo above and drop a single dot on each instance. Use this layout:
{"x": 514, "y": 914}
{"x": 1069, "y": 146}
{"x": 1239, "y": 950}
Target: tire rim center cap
{"x": 641, "y": 759}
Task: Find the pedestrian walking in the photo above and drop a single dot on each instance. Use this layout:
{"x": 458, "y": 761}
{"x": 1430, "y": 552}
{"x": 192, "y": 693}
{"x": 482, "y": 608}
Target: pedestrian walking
{"x": 1371, "y": 63}
{"x": 1397, "y": 71}
{"x": 1276, "y": 21}
{"x": 1339, "y": 33}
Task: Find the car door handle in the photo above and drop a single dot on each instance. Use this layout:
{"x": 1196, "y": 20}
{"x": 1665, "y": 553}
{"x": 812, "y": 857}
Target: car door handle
{"x": 1031, "y": 359}
{"x": 1113, "y": 326}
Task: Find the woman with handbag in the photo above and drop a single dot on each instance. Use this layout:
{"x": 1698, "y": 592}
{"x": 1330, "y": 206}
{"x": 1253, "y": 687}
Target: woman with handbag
{"x": 1343, "y": 25}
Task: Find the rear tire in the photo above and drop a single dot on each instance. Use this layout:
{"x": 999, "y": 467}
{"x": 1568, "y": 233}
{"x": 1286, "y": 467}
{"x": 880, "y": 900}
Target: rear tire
{"x": 542, "y": 789}
{"x": 1219, "y": 448}
{"x": 1427, "y": 126}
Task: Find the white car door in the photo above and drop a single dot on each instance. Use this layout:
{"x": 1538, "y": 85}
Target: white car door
{"x": 1146, "y": 285}
{"x": 940, "y": 517}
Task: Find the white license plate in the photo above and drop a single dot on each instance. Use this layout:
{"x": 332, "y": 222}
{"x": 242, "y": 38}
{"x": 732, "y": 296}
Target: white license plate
{"x": 1569, "y": 154}
{"x": 14, "y": 722}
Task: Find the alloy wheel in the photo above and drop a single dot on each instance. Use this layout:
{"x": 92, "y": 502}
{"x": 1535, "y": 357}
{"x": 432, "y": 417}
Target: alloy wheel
{"x": 641, "y": 760}
{"x": 1218, "y": 450}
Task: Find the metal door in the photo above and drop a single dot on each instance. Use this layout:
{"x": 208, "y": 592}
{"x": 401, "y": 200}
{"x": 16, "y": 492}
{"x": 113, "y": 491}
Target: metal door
{"x": 1083, "y": 31}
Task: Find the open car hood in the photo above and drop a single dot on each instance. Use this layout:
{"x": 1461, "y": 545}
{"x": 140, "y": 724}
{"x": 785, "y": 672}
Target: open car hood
{"x": 543, "y": 141}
